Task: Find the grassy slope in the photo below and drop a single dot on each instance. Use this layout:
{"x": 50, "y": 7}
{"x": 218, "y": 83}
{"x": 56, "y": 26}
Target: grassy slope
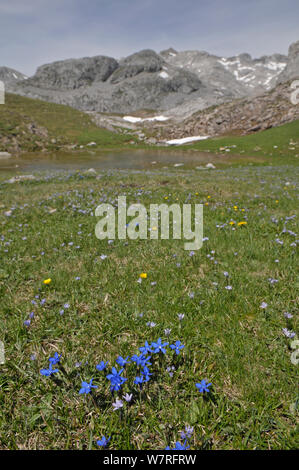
{"x": 259, "y": 144}
{"x": 229, "y": 340}
{"x": 64, "y": 124}
{"x": 69, "y": 126}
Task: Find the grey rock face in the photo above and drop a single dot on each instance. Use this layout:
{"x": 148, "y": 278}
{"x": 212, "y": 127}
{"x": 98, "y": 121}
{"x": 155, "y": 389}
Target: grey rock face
{"x": 240, "y": 75}
{"x": 143, "y": 61}
{"x": 177, "y": 83}
{"x": 73, "y": 73}
{"x": 244, "y": 116}
{"x": 168, "y": 53}
{"x": 10, "y": 76}
{"x": 292, "y": 69}
{"x": 141, "y": 81}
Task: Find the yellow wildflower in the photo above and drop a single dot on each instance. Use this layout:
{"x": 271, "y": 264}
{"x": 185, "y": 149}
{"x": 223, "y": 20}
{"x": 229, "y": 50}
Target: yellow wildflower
{"x": 47, "y": 281}
{"x": 143, "y": 275}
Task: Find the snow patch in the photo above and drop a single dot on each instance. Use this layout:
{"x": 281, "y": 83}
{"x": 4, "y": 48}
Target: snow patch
{"x": 164, "y": 75}
{"x": 134, "y": 119}
{"x": 156, "y": 118}
{"x": 186, "y": 140}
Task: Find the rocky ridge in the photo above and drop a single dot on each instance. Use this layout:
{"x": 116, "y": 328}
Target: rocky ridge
{"x": 239, "y": 117}
{"x": 179, "y": 83}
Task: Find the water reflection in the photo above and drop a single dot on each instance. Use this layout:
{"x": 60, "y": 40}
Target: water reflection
{"x": 135, "y": 159}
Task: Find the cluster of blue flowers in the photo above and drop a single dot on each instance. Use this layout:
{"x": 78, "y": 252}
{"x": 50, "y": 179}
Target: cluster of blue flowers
{"x": 116, "y": 379}
{"x": 142, "y": 362}
{"x": 52, "y": 361}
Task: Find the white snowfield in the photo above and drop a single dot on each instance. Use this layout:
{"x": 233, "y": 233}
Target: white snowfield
{"x": 247, "y": 74}
{"x": 134, "y": 119}
{"x": 186, "y": 140}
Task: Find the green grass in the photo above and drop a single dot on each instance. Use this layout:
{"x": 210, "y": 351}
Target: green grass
{"x": 64, "y": 124}
{"x": 229, "y": 340}
{"x": 68, "y": 126}
{"x": 261, "y": 144}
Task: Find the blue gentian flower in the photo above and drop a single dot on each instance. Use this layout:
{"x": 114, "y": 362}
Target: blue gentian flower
{"x": 146, "y": 349}
{"x": 146, "y": 374}
{"x": 203, "y": 386}
{"x": 116, "y": 379}
{"x": 179, "y": 446}
{"x": 103, "y": 442}
{"x": 55, "y": 360}
{"x": 139, "y": 380}
{"x": 48, "y": 372}
{"x": 122, "y": 362}
{"x": 102, "y": 365}
{"x": 86, "y": 387}
{"x": 158, "y": 346}
{"x": 177, "y": 346}
{"x": 141, "y": 360}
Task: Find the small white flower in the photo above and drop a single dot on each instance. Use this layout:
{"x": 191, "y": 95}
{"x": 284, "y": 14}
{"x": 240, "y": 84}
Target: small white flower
{"x": 128, "y": 397}
{"x": 117, "y": 405}
{"x": 288, "y": 315}
{"x": 288, "y": 333}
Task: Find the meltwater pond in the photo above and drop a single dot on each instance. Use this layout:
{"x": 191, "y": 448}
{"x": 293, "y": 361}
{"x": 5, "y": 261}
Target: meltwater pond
{"x": 135, "y": 159}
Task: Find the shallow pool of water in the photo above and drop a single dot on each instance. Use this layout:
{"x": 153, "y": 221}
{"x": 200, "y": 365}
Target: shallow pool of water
{"x": 135, "y": 159}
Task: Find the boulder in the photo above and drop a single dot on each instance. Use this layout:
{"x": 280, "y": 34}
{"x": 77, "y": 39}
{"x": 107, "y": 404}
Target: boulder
{"x": 4, "y": 155}
{"x": 73, "y": 73}
{"x": 18, "y": 178}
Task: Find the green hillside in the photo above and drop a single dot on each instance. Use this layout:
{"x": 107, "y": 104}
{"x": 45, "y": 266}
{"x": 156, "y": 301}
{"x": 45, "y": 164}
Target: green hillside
{"x": 29, "y": 125}
{"x": 279, "y": 141}
{"x": 33, "y": 125}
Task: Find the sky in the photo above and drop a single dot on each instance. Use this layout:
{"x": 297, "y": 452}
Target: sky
{"x": 35, "y": 32}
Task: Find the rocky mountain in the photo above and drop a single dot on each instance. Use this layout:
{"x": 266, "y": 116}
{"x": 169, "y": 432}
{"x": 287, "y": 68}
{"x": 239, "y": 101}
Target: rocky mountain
{"x": 239, "y": 117}
{"x": 73, "y": 73}
{"x": 11, "y": 76}
{"x": 241, "y": 74}
{"x": 141, "y": 81}
{"x": 178, "y": 83}
{"x": 292, "y": 69}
